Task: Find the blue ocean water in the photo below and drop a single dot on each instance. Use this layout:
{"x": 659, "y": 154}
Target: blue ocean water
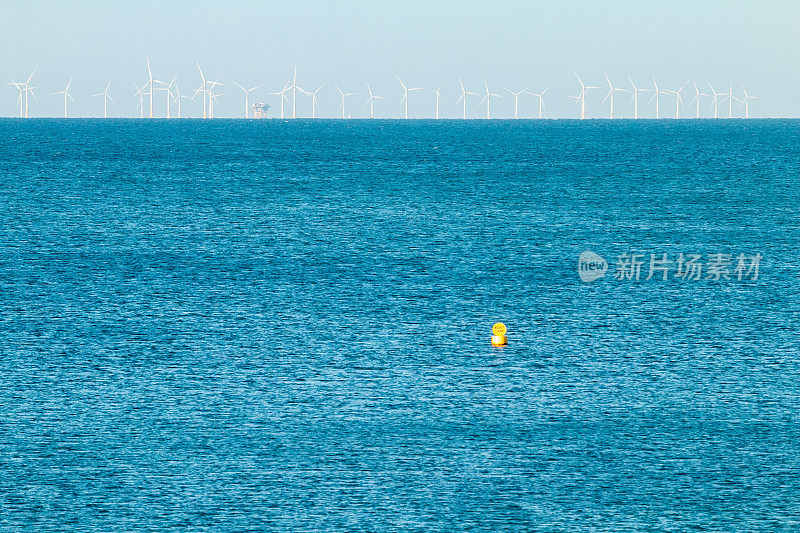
{"x": 269, "y": 325}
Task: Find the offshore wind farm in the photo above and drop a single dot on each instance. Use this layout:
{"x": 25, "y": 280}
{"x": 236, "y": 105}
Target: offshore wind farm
{"x": 346, "y": 265}
{"x": 527, "y": 104}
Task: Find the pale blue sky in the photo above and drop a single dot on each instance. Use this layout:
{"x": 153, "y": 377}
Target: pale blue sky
{"x": 512, "y": 43}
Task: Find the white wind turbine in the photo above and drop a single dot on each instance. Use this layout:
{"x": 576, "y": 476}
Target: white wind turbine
{"x": 140, "y": 93}
{"x": 610, "y": 94}
{"x": 714, "y": 99}
{"x": 344, "y": 96}
{"x": 150, "y": 84}
{"x": 212, "y": 97}
{"x": 293, "y": 87}
{"x": 202, "y": 89}
{"x": 247, "y": 98}
{"x": 106, "y": 98}
{"x": 282, "y": 94}
{"x": 656, "y": 93}
{"x": 730, "y": 97}
{"x": 463, "y": 99}
{"x": 581, "y": 98}
{"x": 371, "y": 100}
{"x": 635, "y": 98}
{"x": 516, "y": 100}
{"x": 696, "y": 99}
{"x": 313, "y": 95}
{"x": 678, "y": 99}
{"x": 167, "y": 88}
{"x": 177, "y": 99}
{"x": 66, "y": 94}
{"x": 541, "y": 100}
{"x": 438, "y": 97}
{"x": 26, "y": 89}
{"x": 488, "y": 99}
{"x": 406, "y": 90}
{"x": 746, "y": 102}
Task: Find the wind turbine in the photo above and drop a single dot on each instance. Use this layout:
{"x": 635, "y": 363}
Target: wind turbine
{"x": 541, "y": 100}
{"x": 202, "y": 89}
{"x": 678, "y": 99}
{"x": 313, "y": 95}
{"x": 247, "y": 98}
{"x": 282, "y": 94}
{"x": 26, "y": 89}
{"x": 656, "y": 93}
{"x": 696, "y": 99}
{"x": 177, "y": 99}
{"x": 715, "y": 99}
{"x": 344, "y": 96}
{"x": 294, "y": 92}
{"x": 406, "y": 90}
{"x": 610, "y": 94}
{"x": 731, "y": 98}
{"x": 66, "y": 94}
{"x": 150, "y": 82}
{"x": 581, "y": 98}
{"x": 140, "y": 93}
{"x": 106, "y": 98}
{"x": 371, "y": 100}
{"x": 746, "y": 102}
{"x": 488, "y": 99}
{"x": 635, "y": 98}
{"x": 167, "y": 88}
{"x": 438, "y": 97}
{"x": 213, "y": 98}
{"x": 516, "y": 100}
{"x": 463, "y": 99}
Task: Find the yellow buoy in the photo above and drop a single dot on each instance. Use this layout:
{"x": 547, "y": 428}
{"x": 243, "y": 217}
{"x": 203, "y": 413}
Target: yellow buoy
{"x": 499, "y": 335}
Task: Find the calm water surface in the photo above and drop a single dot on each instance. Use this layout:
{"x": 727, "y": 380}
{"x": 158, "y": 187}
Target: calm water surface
{"x": 285, "y": 326}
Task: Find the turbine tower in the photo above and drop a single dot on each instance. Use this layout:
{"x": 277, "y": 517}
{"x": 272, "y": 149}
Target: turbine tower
{"x": 344, "y": 96}
{"x": 541, "y": 100}
{"x": 246, "y": 98}
{"x": 463, "y": 99}
{"x": 106, "y": 98}
{"x": 714, "y": 99}
{"x": 746, "y": 102}
{"x": 371, "y": 101}
{"x": 488, "y": 99}
{"x": 516, "y": 100}
{"x": 696, "y": 99}
{"x": 150, "y": 82}
{"x": 294, "y": 93}
{"x": 438, "y": 97}
{"x": 635, "y": 98}
{"x": 678, "y": 99}
{"x": 404, "y": 99}
{"x": 313, "y": 95}
{"x": 25, "y": 89}
{"x": 610, "y": 94}
{"x": 140, "y": 93}
{"x": 202, "y": 89}
{"x": 66, "y": 94}
{"x": 730, "y": 97}
{"x": 581, "y": 98}
{"x": 656, "y": 93}
{"x": 282, "y": 94}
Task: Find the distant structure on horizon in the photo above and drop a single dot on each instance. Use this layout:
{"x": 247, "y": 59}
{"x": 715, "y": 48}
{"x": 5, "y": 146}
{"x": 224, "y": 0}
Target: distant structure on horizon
{"x": 260, "y": 110}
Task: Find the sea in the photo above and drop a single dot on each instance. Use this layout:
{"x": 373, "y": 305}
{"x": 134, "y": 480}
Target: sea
{"x": 273, "y": 325}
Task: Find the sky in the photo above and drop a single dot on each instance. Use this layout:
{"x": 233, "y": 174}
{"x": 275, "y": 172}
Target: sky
{"x": 514, "y": 44}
